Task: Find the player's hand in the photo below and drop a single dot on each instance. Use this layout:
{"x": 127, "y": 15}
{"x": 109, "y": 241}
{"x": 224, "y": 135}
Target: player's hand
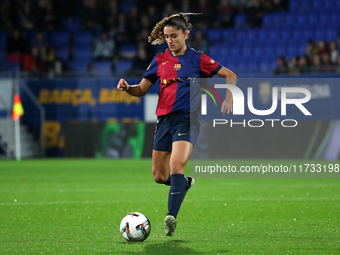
{"x": 227, "y": 106}
{"x": 123, "y": 85}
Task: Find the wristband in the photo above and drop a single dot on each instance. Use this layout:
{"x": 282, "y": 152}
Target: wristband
{"x": 132, "y": 86}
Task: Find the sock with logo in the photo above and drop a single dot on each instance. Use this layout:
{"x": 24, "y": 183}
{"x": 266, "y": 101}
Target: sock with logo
{"x": 176, "y": 193}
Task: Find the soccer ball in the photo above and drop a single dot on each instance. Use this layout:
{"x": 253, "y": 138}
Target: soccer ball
{"x": 135, "y": 227}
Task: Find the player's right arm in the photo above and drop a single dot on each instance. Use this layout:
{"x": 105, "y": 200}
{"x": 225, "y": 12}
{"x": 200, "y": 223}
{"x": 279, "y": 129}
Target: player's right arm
{"x": 150, "y": 77}
{"x": 135, "y": 90}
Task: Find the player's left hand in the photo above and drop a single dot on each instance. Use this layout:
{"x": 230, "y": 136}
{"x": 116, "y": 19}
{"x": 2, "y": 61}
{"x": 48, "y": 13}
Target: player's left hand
{"x": 227, "y": 106}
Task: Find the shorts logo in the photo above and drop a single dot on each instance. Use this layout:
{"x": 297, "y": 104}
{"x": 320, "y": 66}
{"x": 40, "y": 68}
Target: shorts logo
{"x": 180, "y": 134}
{"x": 177, "y": 67}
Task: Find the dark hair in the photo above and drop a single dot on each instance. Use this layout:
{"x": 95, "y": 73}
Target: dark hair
{"x": 179, "y": 21}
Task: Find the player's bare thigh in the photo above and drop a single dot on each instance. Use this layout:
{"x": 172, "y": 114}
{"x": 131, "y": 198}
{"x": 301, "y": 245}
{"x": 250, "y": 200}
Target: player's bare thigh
{"x": 180, "y": 154}
{"x": 160, "y": 165}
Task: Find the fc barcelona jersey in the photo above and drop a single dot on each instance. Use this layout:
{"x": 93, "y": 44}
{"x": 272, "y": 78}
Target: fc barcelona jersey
{"x": 175, "y": 74}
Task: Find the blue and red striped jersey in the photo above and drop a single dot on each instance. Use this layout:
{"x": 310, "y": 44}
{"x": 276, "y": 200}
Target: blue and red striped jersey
{"x": 175, "y": 73}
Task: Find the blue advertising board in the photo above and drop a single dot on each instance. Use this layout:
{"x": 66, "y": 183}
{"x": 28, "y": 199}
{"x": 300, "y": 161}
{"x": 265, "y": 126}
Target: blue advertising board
{"x": 85, "y": 100}
{"x": 79, "y": 100}
{"x": 98, "y": 100}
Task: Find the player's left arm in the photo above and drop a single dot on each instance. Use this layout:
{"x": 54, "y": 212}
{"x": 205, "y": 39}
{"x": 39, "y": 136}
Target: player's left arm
{"x": 227, "y": 105}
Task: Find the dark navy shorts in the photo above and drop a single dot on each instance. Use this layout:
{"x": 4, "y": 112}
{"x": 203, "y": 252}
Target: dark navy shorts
{"x": 174, "y": 127}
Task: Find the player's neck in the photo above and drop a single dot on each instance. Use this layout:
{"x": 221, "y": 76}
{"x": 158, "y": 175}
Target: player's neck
{"x": 181, "y": 51}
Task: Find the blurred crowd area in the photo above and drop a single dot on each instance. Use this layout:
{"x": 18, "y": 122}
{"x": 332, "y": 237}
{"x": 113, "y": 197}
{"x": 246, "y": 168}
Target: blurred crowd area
{"x": 55, "y": 37}
{"x": 320, "y": 57}
{"x": 132, "y": 16}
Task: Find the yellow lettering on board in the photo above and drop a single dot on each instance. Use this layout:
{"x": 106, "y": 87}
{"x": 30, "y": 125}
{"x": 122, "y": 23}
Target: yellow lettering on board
{"x": 52, "y": 129}
{"x": 43, "y": 96}
{"x": 76, "y": 97}
{"x": 103, "y": 96}
{"x": 115, "y": 96}
{"x": 66, "y": 96}
{"x": 54, "y": 96}
{"x": 87, "y": 97}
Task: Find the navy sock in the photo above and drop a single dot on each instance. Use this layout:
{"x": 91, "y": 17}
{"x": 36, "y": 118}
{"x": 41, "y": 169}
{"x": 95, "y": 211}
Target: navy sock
{"x": 176, "y": 193}
{"x": 168, "y": 181}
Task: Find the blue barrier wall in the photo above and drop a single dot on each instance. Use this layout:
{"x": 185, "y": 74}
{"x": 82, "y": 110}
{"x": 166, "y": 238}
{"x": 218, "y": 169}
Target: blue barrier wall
{"x": 98, "y": 100}
{"x": 78, "y": 100}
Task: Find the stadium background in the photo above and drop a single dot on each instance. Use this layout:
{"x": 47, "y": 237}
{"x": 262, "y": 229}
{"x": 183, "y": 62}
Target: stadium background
{"x": 51, "y": 52}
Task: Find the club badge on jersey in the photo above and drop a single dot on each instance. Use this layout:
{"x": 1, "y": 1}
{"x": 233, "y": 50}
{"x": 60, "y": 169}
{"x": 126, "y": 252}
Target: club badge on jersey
{"x": 177, "y": 67}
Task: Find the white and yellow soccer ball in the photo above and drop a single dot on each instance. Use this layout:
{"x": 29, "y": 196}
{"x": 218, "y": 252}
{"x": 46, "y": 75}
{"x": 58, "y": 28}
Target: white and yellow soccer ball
{"x": 135, "y": 227}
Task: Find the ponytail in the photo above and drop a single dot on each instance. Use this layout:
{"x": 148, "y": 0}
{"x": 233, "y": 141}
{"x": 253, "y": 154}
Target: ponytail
{"x": 180, "y": 21}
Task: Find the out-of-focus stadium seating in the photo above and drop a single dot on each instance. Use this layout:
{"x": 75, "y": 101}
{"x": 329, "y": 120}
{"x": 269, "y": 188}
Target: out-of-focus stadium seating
{"x": 250, "y": 50}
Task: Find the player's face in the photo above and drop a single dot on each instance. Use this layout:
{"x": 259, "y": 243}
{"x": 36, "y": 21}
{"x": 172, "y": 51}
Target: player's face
{"x": 175, "y": 38}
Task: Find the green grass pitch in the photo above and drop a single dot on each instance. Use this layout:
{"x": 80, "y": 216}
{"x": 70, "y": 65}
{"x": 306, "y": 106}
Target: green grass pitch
{"x": 75, "y": 207}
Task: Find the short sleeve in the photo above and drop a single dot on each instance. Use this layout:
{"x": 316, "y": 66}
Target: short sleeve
{"x": 151, "y": 71}
{"x": 209, "y": 66}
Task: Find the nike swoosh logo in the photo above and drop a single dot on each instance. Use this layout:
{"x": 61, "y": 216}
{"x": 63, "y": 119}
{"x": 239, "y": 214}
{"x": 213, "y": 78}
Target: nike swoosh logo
{"x": 181, "y": 134}
{"x": 174, "y": 193}
{"x": 165, "y": 62}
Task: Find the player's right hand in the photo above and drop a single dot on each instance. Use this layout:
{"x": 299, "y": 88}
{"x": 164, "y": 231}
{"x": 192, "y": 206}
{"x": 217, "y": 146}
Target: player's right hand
{"x": 123, "y": 85}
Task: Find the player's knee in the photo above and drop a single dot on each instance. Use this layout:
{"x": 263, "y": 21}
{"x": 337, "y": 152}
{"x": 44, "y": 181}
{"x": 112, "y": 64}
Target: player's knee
{"x": 177, "y": 168}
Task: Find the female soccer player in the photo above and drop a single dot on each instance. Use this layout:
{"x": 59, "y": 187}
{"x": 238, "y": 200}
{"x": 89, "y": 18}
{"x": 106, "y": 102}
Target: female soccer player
{"x": 175, "y": 68}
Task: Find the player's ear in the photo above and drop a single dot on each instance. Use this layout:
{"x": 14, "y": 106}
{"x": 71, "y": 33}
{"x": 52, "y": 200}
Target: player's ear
{"x": 186, "y": 33}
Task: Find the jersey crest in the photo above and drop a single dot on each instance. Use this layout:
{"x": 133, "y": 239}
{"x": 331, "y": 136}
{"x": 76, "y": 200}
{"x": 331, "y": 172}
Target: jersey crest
{"x": 177, "y": 67}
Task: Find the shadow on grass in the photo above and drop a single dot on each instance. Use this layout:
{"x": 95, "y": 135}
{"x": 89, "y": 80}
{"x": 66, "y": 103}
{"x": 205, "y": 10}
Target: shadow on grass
{"x": 168, "y": 248}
